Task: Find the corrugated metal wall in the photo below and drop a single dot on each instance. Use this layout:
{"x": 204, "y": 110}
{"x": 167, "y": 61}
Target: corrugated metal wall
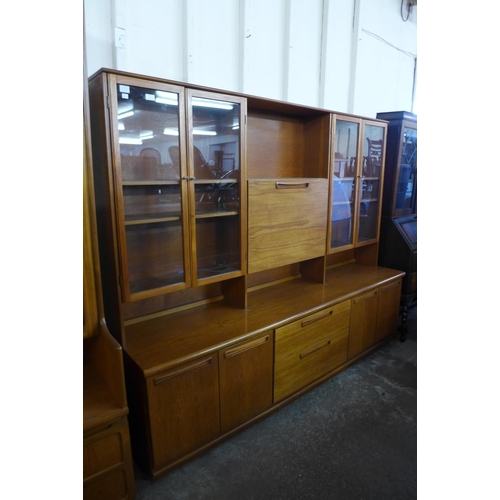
{"x": 356, "y": 56}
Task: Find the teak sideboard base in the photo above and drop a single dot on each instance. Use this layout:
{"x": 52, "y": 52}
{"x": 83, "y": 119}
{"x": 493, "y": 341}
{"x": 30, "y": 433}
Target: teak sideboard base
{"x": 197, "y": 376}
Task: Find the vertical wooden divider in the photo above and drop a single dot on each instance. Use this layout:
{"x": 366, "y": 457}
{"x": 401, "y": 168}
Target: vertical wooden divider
{"x": 235, "y": 292}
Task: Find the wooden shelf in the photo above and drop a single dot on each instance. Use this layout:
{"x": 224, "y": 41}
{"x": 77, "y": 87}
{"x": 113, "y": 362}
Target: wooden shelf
{"x": 151, "y": 183}
{"x": 150, "y": 219}
{"x": 215, "y": 213}
{"x": 99, "y": 405}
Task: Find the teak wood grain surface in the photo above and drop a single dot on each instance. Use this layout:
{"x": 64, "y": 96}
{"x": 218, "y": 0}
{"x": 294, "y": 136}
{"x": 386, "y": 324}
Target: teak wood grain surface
{"x": 166, "y": 341}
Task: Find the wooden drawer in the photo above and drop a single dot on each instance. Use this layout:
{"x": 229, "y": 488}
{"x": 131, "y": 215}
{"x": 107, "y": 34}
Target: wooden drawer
{"x": 102, "y": 454}
{"x": 112, "y": 486}
{"x": 306, "y": 366}
{"x": 107, "y": 464}
{"x": 287, "y": 220}
{"x": 298, "y": 335}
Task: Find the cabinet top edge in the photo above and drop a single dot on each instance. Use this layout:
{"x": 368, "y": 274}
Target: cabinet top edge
{"x": 254, "y": 103}
{"x": 397, "y": 115}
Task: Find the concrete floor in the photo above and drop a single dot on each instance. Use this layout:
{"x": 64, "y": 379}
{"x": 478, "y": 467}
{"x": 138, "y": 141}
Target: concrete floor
{"x": 354, "y": 437}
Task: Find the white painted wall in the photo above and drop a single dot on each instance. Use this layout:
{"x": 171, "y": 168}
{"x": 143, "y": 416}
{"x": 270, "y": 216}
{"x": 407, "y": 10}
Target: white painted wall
{"x": 354, "y": 56}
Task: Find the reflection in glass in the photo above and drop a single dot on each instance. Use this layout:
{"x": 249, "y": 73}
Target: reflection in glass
{"x": 216, "y": 168}
{"x": 344, "y": 175}
{"x": 408, "y": 170}
{"x": 148, "y": 127}
{"x": 373, "y": 146}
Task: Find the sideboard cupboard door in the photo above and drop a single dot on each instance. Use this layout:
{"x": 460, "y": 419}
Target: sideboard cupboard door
{"x": 388, "y": 309}
{"x": 183, "y": 409}
{"x": 363, "y": 323}
{"x": 246, "y": 380}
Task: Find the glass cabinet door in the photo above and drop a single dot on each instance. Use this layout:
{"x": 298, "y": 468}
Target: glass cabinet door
{"x": 406, "y": 189}
{"x": 370, "y": 185}
{"x": 215, "y": 180}
{"x": 148, "y": 127}
{"x": 344, "y": 182}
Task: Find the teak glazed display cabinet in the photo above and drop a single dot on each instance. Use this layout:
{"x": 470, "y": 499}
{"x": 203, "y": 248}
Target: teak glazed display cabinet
{"x": 239, "y": 241}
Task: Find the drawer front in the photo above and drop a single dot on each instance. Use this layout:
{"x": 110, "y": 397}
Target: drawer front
{"x": 112, "y": 486}
{"x": 308, "y": 365}
{"x": 108, "y": 472}
{"x": 102, "y": 454}
{"x": 286, "y": 221}
{"x": 306, "y": 331}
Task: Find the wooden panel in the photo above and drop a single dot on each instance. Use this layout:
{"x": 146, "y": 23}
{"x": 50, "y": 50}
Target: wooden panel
{"x": 308, "y": 365}
{"x": 246, "y": 380}
{"x": 183, "y": 409}
{"x": 104, "y": 398}
{"x": 388, "y": 309}
{"x": 275, "y": 146}
{"x": 363, "y": 323}
{"x": 107, "y": 464}
{"x": 101, "y": 454}
{"x": 111, "y": 486}
{"x": 298, "y": 335}
{"x": 286, "y": 225}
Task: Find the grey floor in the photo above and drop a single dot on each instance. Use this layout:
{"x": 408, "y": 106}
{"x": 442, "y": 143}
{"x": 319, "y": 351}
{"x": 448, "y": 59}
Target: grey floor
{"x": 353, "y": 437}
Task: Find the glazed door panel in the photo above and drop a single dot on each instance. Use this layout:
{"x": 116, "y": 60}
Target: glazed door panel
{"x": 343, "y": 210}
{"x": 215, "y": 181}
{"x": 148, "y": 135}
{"x": 370, "y": 182}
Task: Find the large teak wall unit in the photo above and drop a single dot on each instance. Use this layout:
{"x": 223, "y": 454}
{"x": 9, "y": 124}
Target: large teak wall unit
{"x": 239, "y": 241}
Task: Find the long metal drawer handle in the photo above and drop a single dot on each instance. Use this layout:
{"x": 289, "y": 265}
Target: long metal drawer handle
{"x": 314, "y": 348}
{"x": 183, "y": 370}
{"x": 291, "y": 185}
{"x": 313, "y": 320}
{"x": 245, "y": 347}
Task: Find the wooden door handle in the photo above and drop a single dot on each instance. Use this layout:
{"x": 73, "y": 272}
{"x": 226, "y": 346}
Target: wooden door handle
{"x": 314, "y": 348}
{"x": 183, "y": 369}
{"x": 366, "y": 296}
{"x": 292, "y": 185}
{"x": 234, "y": 351}
{"x": 392, "y": 285}
{"x": 318, "y": 318}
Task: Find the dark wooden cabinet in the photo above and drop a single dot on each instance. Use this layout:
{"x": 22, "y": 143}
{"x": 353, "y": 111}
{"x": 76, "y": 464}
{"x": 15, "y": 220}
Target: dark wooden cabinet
{"x": 398, "y": 234}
